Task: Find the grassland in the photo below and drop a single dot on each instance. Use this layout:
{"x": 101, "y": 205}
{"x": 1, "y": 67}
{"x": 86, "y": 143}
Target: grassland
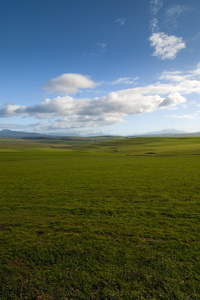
{"x": 115, "y": 219}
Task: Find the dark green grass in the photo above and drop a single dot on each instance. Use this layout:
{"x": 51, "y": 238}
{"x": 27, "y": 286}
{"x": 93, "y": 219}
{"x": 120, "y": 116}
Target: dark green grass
{"x": 81, "y": 224}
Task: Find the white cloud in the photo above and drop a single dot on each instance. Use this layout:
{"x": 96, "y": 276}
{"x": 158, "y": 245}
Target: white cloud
{"x": 189, "y": 117}
{"x": 70, "y": 112}
{"x": 69, "y": 83}
{"x": 185, "y": 82}
{"x": 196, "y": 71}
{"x": 166, "y": 46}
{"x": 48, "y": 108}
{"x": 125, "y": 80}
{"x": 155, "y": 6}
{"x": 120, "y": 21}
{"x": 119, "y": 103}
{"x": 174, "y": 12}
{"x": 173, "y": 100}
{"x": 154, "y": 25}
{"x": 75, "y": 121}
{"x": 9, "y": 110}
{"x": 176, "y": 76}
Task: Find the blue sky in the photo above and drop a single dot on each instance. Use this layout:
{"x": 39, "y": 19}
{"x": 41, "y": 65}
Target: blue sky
{"x": 99, "y": 67}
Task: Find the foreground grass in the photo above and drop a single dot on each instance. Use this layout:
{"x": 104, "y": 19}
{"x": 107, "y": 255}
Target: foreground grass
{"x": 109, "y": 220}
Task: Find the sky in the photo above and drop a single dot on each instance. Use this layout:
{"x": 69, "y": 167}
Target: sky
{"x": 90, "y": 67}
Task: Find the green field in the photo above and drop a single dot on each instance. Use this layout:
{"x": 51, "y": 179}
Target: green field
{"x": 100, "y": 219}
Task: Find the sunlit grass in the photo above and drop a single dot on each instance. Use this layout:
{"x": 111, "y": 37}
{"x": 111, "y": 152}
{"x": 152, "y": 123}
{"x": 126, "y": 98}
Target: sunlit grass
{"x": 109, "y": 220}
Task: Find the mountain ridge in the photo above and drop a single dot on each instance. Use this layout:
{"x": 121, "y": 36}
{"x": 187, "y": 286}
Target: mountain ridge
{"x": 20, "y": 134}
{"x": 7, "y": 133}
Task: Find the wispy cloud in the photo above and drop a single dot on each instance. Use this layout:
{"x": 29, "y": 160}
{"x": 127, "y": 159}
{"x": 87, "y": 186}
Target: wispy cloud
{"x": 69, "y": 83}
{"x": 188, "y": 82}
{"x": 166, "y": 46}
{"x": 155, "y": 6}
{"x": 13, "y": 126}
{"x": 101, "y": 48}
{"x": 120, "y": 21}
{"x": 174, "y": 12}
{"x": 189, "y": 117}
{"x": 154, "y": 25}
{"x": 125, "y": 80}
{"x": 98, "y": 50}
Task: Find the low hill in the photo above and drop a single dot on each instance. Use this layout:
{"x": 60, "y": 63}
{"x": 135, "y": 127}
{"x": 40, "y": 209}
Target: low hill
{"x": 20, "y": 134}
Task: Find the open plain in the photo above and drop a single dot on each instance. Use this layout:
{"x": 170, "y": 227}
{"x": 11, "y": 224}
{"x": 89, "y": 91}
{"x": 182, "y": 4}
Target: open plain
{"x": 100, "y": 219}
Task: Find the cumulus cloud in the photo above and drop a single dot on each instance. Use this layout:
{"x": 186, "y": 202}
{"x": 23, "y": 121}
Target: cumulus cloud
{"x": 74, "y": 121}
{"x": 48, "y": 108}
{"x": 69, "y": 83}
{"x": 166, "y": 46}
{"x": 119, "y": 103}
{"x": 68, "y": 112}
{"x": 9, "y": 110}
{"x": 173, "y": 100}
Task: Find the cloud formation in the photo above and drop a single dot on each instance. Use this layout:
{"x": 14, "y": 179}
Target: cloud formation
{"x": 69, "y": 83}
{"x": 100, "y": 111}
{"x": 155, "y": 6}
{"x": 166, "y": 46}
{"x": 9, "y": 110}
{"x": 154, "y": 25}
{"x": 174, "y": 12}
{"x": 68, "y": 112}
{"x": 189, "y": 117}
{"x": 125, "y": 80}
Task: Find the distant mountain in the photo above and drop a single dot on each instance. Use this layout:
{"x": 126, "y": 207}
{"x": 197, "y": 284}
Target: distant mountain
{"x": 20, "y": 134}
{"x": 6, "y": 133}
{"x": 169, "y": 133}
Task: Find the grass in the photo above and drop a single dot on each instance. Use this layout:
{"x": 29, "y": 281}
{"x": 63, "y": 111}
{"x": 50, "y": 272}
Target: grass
{"x": 116, "y": 219}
